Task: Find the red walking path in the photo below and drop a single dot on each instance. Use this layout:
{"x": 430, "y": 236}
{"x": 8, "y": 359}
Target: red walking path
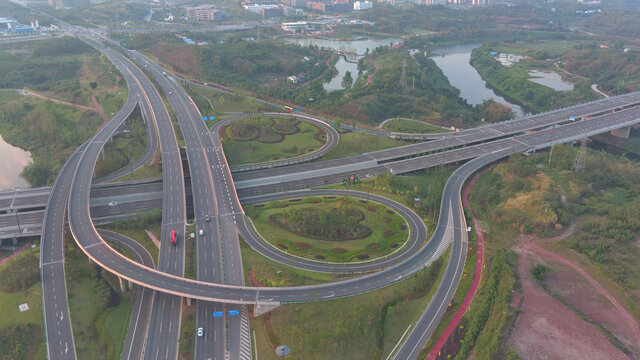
{"x": 435, "y": 351}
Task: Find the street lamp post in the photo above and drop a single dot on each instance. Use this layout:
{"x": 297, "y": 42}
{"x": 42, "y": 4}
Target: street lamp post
{"x": 15, "y": 212}
{"x": 113, "y": 205}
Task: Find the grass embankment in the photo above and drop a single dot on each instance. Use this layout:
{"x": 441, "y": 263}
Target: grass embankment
{"x": 100, "y": 312}
{"x": 136, "y": 228}
{"x": 125, "y": 149}
{"x": 222, "y": 103}
{"x": 279, "y": 222}
{"x": 354, "y": 143}
{"x": 260, "y": 139}
{"x": 359, "y": 327}
{"x": 527, "y": 195}
{"x": 21, "y": 333}
{"x": 413, "y": 127}
{"x": 65, "y": 69}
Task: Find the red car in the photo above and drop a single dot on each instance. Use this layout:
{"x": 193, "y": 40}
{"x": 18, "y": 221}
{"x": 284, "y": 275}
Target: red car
{"x": 174, "y": 237}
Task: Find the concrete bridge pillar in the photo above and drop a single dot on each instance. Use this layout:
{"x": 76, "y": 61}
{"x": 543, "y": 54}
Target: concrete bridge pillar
{"x": 130, "y": 285}
{"x": 622, "y": 133}
{"x": 122, "y": 287}
{"x": 264, "y": 307}
{"x": 189, "y": 301}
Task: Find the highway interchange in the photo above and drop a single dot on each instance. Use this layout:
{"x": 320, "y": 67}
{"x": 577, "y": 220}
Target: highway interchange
{"x": 220, "y": 277}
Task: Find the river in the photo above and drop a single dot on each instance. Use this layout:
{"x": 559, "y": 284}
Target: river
{"x": 454, "y": 63}
{"x": 12, "y": 161}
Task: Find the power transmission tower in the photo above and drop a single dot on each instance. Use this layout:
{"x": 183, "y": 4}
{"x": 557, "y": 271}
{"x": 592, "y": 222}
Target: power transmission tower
{"x": 579, "y": 161}
{"x": 403, "y": 77}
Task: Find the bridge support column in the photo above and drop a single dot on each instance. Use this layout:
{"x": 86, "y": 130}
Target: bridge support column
{"x": 122, "y": 287}
{"x": 189, "y": 301}
{"x": 622, "y": 133}
{"x": 14, "y": 241}
{"x": 130, "y": 285}
{"x": 264, "y": 307}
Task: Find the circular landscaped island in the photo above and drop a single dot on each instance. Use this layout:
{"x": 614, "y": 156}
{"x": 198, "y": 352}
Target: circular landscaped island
{"x": 330, "y": 228}
{"x": 260, "y": 139}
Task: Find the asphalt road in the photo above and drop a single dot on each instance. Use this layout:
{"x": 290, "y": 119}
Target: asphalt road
{"x": 141, "y": 314}
{"x": 92, "y": 244}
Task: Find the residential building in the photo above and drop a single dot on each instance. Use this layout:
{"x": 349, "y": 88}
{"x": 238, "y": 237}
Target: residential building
{"x": 204, "y": 13}
{"x": 362, "y": 5}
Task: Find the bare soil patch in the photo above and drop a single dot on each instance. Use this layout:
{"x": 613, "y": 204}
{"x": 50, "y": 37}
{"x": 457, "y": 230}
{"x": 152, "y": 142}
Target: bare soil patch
{"x": 547, "y": 329}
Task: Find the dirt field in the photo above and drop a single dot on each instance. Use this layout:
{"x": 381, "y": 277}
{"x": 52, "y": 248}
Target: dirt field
{"x": 547, "y": 329}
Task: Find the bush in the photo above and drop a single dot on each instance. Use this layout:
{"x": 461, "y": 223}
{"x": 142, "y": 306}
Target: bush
{"x": 539, "y": 271}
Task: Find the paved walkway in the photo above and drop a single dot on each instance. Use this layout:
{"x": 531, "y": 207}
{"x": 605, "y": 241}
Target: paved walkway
{"x": 20, "y": 249}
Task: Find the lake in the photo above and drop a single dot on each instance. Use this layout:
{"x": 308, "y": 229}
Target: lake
{"x": 550, "y": 79}
{"x": 454, "y": 63}
{"x": 12, "y": 161}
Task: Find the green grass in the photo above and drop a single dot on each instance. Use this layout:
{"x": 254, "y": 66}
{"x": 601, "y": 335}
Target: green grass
{"x": 140, "y": 236}
{"x": 412, "y": 126}
{"x": 124, "y": 150}
{"x": 374, "y": 245}
{"x": 187, "y": 332}
{"x": 11, "y": 315}
{"x": 222, "y": 102}
{"x": 365, "y": 326}
{"x": 267, "y": 146}
{"x": 191, "y": 263}
{"x": 274, "y": 274}
{"x": 112, "y": 325}
{"x": 553, "y": 47}
{"x": 25, "y": 328}
{"x": 357, "y": 143}
{"x": 112, "y": 101}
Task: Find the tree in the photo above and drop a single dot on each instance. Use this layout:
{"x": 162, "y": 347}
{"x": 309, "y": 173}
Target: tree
{"x": 93, "y": 85}
{"x": 347, "y": 80}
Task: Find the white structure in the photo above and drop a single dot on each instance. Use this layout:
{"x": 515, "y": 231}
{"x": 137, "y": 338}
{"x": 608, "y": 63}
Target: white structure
{"x": 295, "y": 26}
{"x": 362, "y": 5}
{"x": 255, "y": 8}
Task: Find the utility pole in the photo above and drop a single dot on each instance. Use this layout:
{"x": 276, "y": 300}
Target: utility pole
{"x": 403, "y": 76}
{"x": 580, "y": 160}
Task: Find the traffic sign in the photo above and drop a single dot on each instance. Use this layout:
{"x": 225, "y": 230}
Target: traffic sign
{"x": 204, "y": 118}
{"x": 234, "y": 312}
{"x": 218, "y": 314}
{"x": 211, "y": 118}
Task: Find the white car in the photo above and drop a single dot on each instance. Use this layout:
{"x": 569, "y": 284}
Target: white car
{"x": 201, "y": 232}
{"x": 200, "y": 332}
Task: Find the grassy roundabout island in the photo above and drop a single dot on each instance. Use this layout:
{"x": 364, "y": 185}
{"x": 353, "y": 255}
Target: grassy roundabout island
{"x": 330, "y": 228}
{"x": 261, "y": 139}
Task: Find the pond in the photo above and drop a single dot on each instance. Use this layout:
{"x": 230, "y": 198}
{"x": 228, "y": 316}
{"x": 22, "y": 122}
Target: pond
{"x": 550, "y": 79}
{"x": 454, "y": 63}
{"x": 12, "y": 161}
{"x": 358, "y": 46}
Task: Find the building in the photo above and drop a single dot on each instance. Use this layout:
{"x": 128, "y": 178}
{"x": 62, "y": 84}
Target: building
{"x": 256, "y": 8}
{"x": 204, "y": 13}
{"x": 298, "y": 26}
{"x": 362, "y": 5}
{"x": 272, "y": 12}
{"x": 298, "y": 4}
{"x": 56, "y": 4}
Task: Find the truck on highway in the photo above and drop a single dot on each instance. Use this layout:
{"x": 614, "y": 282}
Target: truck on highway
{"x": 174, "y": 238}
